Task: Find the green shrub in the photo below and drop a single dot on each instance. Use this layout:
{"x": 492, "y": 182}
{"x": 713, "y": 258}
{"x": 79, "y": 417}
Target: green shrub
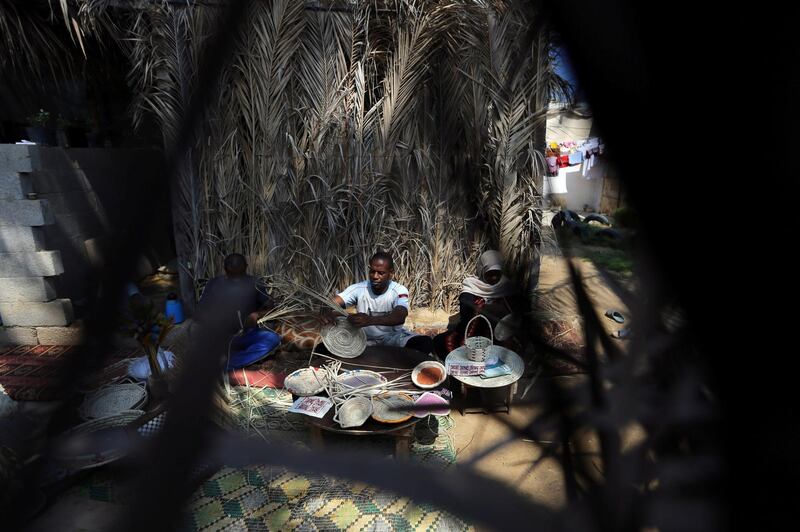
{"x": 626, "y": 217}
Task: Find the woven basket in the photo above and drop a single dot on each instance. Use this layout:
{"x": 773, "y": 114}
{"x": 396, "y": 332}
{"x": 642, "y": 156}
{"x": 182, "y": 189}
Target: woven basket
{"x": 305, "y": 382}
{"x": 353, "y": 412}
{"x": 112, "y": 399}
{"x": 478, "y": 346}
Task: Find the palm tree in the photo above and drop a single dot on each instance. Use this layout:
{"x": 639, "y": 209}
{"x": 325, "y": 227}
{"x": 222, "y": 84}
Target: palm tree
{"x": 407, "y": 125}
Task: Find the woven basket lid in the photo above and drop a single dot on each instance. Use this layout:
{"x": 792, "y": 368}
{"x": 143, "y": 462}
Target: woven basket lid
{"x": 509, "y": 357}
{"x": 344, "y": 340}
{"x": 113, "y": 399}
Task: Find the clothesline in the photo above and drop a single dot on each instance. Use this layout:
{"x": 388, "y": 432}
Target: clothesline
{"x": 571, "y": 153}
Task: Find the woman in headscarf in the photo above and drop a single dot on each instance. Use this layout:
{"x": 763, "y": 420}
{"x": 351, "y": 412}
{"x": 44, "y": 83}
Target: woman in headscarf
{"x": 489, "y": 293}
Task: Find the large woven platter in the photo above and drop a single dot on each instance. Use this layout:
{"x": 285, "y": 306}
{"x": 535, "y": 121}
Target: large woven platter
{"x": 113, "y": 399}
{"x": 507, "y": 356}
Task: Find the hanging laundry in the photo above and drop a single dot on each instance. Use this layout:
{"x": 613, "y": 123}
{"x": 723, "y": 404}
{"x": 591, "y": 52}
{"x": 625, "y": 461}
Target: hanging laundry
{"x": 552, "y": 159}
{"x": 552, "y": 165}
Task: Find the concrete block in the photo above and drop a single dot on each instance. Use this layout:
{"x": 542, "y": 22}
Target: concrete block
{"x": 60, "y": 173}
{"x": 31, "y": 264}
{"x": 73, "y": 202}
{"x": 14, "y": 185}
{"x": 17, "y": 238}
{"x": 25, "y": 212}
{"x": 72, "y": 335}
{"x": 18, "y": 336}
{"x": 16, "y": 158}
{"x": 68, "y": 227}
{"x": 54, "y": 313}
{"x": 27, "y": 289}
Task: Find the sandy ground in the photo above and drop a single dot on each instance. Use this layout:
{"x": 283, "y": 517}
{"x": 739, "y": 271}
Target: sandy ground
{"x": 512, "y": 463}
{"x": 555, "y": 288}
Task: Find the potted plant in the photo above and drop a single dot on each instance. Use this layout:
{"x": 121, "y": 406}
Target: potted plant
{"x": 38, "y": 130}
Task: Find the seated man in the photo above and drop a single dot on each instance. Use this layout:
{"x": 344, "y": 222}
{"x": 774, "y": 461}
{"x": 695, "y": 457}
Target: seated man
{"x": 382, "y": 306}
{"x": 239, "y": 300}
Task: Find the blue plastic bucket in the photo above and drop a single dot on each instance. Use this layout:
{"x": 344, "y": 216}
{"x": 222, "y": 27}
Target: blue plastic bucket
{"x": 174, "y": 310}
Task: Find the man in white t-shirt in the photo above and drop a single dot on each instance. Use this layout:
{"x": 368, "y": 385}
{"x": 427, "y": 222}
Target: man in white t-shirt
{"x": 382, "y": 306}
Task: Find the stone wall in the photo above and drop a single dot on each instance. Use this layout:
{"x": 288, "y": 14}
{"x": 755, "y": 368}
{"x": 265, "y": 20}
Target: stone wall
{"x": 56, "y": 206}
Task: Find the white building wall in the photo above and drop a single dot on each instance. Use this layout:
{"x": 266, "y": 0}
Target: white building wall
{"x": 570, "y": 187}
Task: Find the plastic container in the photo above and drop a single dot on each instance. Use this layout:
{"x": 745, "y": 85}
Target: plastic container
{"x": 174, "y": 309}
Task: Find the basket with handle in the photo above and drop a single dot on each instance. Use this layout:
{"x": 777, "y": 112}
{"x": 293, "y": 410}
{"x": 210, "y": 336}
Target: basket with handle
{"x": 478, "y": 346}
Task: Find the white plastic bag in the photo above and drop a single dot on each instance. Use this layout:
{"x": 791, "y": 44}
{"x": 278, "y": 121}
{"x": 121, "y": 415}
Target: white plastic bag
{"x": 139, "y": 368}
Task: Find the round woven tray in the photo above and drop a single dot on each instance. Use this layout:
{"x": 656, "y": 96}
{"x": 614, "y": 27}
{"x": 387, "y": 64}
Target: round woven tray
{"x": 508, "y": 357}
{"x": 344, "y": 340}
{"x": 76, "y": 459}
{"x": 352, "y": 380}
{"x": 384, "y": 405}
{"x": 113, "y": 399}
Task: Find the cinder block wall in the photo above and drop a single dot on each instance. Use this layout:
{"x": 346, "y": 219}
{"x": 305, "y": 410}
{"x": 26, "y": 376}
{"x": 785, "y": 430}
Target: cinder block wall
{"x": 52, "y": 201}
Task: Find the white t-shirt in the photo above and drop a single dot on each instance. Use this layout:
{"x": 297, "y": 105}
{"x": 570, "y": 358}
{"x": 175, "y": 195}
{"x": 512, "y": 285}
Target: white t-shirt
{"x": 361, "y": 295}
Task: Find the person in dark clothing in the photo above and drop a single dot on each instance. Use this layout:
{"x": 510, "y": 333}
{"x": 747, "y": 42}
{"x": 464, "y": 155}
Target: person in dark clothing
{"x": 489, "y": 293}
{"x": 240, "y": 300}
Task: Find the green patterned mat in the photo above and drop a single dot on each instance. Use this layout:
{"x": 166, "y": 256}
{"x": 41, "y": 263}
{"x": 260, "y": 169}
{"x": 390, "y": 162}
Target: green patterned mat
{"x": 272, "y": 498}
{"x": 276, "y": 499}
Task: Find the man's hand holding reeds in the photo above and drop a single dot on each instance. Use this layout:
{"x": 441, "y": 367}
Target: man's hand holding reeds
{"x": 326, "y": 317}
{"x": 360, "y": 320}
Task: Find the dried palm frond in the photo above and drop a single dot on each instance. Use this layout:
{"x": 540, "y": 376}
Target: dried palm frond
{"x": 304, "y": 296}
{"x": 33, "y": 48}
{"x": 336, "y": 134}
